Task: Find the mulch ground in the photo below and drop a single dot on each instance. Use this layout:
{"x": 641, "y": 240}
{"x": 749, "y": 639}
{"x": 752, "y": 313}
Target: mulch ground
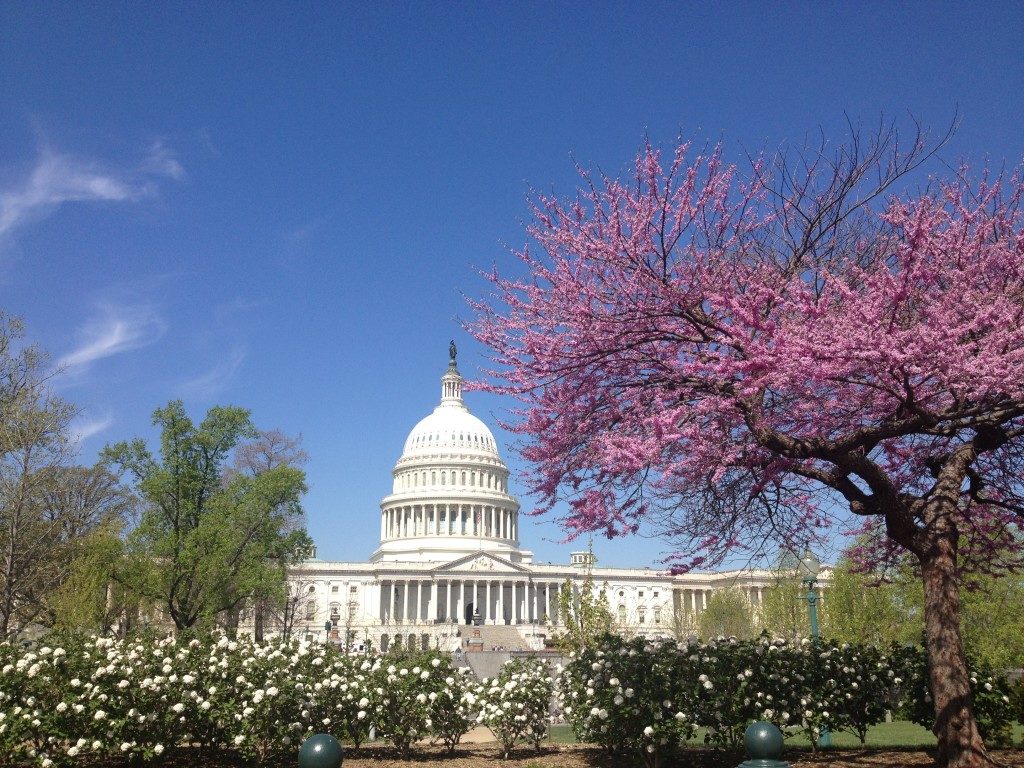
{"x": 574, "y": 756}
{"x": 567, "y": 756}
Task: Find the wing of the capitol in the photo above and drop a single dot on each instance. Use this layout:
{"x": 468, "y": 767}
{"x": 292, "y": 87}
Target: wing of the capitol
{"x": 450, "y": 572}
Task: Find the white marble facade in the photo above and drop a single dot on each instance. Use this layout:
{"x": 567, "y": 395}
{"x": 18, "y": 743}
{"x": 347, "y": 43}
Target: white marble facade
{"x": 450, "y": 555}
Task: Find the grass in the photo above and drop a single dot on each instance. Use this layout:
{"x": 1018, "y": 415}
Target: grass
{"x": 897, "y": 734}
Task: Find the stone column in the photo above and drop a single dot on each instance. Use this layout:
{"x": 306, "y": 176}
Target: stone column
{"x": 392, "y": 611}
{"x": 432, "y": 614}
{"x": 515, "y": 605}
{"x": 499, "y": 611}
{"x": 533, "y": 587}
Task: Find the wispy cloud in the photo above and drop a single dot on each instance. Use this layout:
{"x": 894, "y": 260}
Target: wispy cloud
{"x": 118, "y": 329}
{"x": 160, "y": 160}
{"x": 58, "y": 179}
{"x": 85, "y": 428}
{"x": 217, "y": 378}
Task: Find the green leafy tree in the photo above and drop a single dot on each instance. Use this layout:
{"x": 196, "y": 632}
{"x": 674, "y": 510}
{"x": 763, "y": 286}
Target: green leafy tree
{"x": 33, "y": 440}
{"x": 87, "y": 510}
{"x": 866, "y": 610}
{"x": 208, "y": 540}
{"x": 585, "y": 615}
{"x": 728, "y": 614}
{"x": 783, "y": 610}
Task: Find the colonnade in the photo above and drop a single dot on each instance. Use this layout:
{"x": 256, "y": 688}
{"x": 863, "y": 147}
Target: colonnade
{"x": 449, "y": 520}
{"x": 696, "y": 600}
{"x": 498, "y": 601}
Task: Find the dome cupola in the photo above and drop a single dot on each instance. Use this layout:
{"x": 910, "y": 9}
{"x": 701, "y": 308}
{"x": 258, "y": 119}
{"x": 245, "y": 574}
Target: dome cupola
{"x": 450, "y": 494}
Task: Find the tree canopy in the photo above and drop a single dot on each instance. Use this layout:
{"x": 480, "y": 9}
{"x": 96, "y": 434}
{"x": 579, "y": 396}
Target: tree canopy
{"x": 736, "y": 356}
{"x": 208, "y": 540}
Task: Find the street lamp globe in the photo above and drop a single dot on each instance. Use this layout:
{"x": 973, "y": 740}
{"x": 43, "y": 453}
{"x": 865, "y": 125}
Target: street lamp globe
{"x": 809, "y": 566}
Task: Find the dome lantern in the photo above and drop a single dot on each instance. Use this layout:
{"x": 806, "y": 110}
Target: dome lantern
{"x": 451, "y": 382}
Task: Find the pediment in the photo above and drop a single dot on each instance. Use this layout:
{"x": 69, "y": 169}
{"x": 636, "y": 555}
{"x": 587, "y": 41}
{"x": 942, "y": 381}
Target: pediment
{"x": 480, "y": 562}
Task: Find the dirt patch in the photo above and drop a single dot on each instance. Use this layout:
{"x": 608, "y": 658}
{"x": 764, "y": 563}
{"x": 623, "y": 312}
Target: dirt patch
{"x": 485, "y": 755}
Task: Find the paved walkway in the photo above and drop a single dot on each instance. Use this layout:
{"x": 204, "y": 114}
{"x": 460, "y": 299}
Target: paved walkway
{"x": 479, "y": 735}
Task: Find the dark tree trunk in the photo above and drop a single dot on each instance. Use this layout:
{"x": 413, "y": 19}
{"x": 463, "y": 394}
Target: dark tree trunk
{"x": 259, "y": 611}
{"x": 960, "y": 743}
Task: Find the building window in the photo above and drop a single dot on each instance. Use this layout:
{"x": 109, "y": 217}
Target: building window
{"x": 657, "y": 615}
{"x": 641, "y": 593}
{"x": 352, "y": 590}
{"x": 641, "y": 616}
{"x": 310, "y": 611}
{"x": 334, "y": 589}
{"x": 622, "y": 614}
{"x": 622, "y": 593}
{"x": 655, "y": 594}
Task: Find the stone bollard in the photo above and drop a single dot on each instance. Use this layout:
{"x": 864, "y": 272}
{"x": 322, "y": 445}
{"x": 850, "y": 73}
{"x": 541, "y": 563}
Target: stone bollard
{"x": 764, "y": 746}
{"x": 320, "y": 751}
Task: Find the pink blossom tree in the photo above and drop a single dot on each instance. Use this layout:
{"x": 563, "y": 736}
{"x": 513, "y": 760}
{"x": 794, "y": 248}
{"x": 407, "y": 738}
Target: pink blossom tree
{"x": 742, "y": 358}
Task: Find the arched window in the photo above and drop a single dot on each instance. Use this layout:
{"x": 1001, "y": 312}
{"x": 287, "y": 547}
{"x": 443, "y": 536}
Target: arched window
{"x": 385, "y": 642}
{"x": 433, "y": 478}
{"x": 411, "y": 645}
{"x": 424, "y": 642}
{"x": 310, "y": 611}
{"x": 463, "y": 478}
{"x": 443, "y": 477}
{"x": 622, "y": 614}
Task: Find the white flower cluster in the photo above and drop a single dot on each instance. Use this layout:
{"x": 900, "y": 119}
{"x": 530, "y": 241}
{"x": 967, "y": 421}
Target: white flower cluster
{"x": 516, "y": 704}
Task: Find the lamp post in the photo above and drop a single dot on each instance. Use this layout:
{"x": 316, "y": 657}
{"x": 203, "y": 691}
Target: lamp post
{"x": 809, "y": 567}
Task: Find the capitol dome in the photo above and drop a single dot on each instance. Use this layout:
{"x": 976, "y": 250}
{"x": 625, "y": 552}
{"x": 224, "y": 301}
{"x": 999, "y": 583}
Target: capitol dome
{"x": 450, "y": 495}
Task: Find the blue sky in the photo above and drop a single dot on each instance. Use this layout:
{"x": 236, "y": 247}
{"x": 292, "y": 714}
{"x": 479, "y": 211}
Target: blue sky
{"x": 281, "y": 206}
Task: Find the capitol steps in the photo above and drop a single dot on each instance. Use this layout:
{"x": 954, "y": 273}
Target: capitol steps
{"x": 494, "y": 637}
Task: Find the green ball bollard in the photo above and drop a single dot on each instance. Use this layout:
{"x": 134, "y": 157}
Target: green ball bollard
{"x": 764, "y": 746}
{"x": 320, "y": 751}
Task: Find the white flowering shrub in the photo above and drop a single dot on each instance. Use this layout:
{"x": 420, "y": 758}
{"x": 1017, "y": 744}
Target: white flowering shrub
{"x": 72, "y": 699}
{"x": 866, "y": 689}
{"x": 990, "y": 695}
{"x": 403, "y": 685}
{"x": 631, "y": 694}
{"x": 148, "y": 697}
{"x": 453, "y": 708}
{"x": 515, "y": 704}
{"x": 342, "y": 698}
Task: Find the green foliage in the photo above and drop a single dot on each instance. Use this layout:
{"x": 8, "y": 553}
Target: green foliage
{"x": 585, "y": 616}
{"x": 991, "y": 613}
{"x": 208, "y": 540}
{"x": 783, "y": 610}
{"x": 867, "y": 610}
{"x": 728, "y": 614}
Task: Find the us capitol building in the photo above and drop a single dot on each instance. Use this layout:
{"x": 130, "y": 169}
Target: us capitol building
{"x": 450, "y": 571}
